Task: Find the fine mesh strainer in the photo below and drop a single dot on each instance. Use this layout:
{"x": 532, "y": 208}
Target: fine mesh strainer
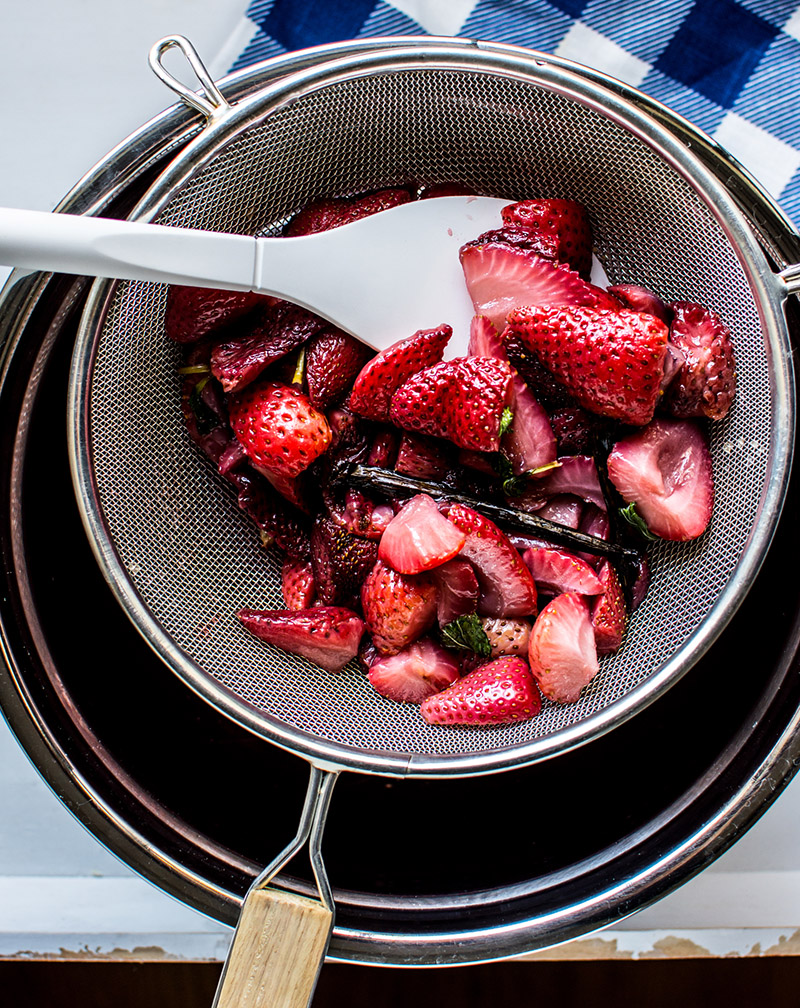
{"x": 181, "y": 557}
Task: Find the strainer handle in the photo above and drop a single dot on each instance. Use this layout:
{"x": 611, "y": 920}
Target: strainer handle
{"x": 281, "y": 938}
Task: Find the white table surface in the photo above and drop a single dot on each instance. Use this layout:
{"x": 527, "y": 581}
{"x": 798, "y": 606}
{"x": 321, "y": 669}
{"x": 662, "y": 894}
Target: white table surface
{"x": 74, "y": 82}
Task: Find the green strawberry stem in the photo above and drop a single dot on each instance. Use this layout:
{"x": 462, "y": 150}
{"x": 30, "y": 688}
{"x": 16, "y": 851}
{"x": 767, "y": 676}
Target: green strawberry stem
{"x": 394, "y": 484}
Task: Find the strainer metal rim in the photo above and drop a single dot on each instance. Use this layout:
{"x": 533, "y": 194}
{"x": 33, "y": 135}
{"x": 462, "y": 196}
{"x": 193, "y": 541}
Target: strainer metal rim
{"x": 567, "y": 80}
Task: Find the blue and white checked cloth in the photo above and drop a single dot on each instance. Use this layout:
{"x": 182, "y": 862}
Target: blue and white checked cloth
{"x": 731, "y": 67}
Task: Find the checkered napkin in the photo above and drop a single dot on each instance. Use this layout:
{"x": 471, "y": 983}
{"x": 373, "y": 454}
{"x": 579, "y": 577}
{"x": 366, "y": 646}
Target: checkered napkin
{"x": 731, "y": 67}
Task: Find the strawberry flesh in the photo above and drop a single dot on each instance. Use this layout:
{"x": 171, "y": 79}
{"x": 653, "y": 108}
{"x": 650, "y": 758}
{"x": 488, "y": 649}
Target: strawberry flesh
{"x": 561, "y": 650}
{"x": 665, "y": 470}
{"x": 340, "y": 561}
{"x": 529, "y": 443}
{"x": 419, "y": 537}
{"x": 706, "y": 380}
{"x": 461, "y": 400}
{"x": 500, "y": 692}
{"x": 610, "y": 362}
{"x": 457, "y": 590}
{"x": 418, "y": 671}
{"x": 608, "y": 613}
{"x": 372, "y": 391}
{"x": 423, "y": 457}
{"x": 556, "y": 571}
{"x": 507, "y": 588}
{"x": 642, "y": 300}
{"x": 327, "y": 635}
{"x": 398, "y": 608}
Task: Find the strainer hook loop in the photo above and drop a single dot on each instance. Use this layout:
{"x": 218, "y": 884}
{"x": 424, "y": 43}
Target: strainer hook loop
{"x": 310, "y": 828}
{"x": 210, "y": 101}
{"x": 791, "y": 278}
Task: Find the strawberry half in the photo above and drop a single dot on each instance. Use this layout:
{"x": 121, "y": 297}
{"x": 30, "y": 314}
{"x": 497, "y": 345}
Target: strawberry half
{"x": 423, "y": 457}
{"x": 507, "y": 588}
{"x": 333, "y": 359}
{"x": 609, "y": 614}
{"x": 419, "y": 537}
{"x": 372, "y": 391}
{"x": 340, "y": 561}
{"x": 418, "y": 671}
{"x": 194, "y": 312}
{"x": 279, "y": 428}
{"x": 457, "y": 590}
{"x": 562, "y": 650}
{"x": 706, "y": 381}
{"x": 325, "y": 214}
{"x": 500, "y": 692}
{"x": 611, "y": 362}
{"x": 327, "y": 635}
{"x": 297, "y": 584}
{"x": 398, "y": 608}
{"x": 556, "y": 571}
{"x": 566, "y": 221}
{"x": 665, "y": 470}
{"x": 461, "y": 399}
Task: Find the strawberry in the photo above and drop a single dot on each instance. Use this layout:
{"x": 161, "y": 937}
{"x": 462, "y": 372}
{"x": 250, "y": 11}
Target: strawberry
{"x": 561, "y": 649}
{"x": 500, "y": 692}
{"x": 706, "y": 381}
{"x": 330, "y": 213}
{"x": 575, "y": 475}
{"x": 576, "y": 430}
{"x": 556, "y": 571}
{"x": 398, "y": 608}
{"x": 567, "y": 221}
{"x": 457, "y": 590}
{"x": 611, "y": 362}
{"x": 529, "y": 443}
{"x": 297, "y": 584}
{"x": 278, "y": 329}
{"x": 340, "y": 561}
{"x": 500, "y": 277}
{"x": 423, "y": 457}
{"x": 418, "y": 671}
{"x": 372, "y": 391}
{"x": 484, "y": 339}
{"x": 461, "y": 399}
{"x": 507, "y": 588}
{"x": 546, "y": 245}
{"x": 384, "y": 448}
{"x": 608, "y": 613}
{"x": 419, "y": 537}
{"x": 276, "y": 521}
{"x": 550, "y": 393}
{"x": 279, "y": 428}
{"x": 333, "y": 359}
{"x": 194, "y": 312}
{"x": 327, "y": 635}
{"x": 642, "y": 300}
{"x": 665, "y": 470}
{"x": 507, "y": 636}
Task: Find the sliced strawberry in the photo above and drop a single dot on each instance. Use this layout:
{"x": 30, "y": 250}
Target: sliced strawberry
{"x": 500, "y": 277}
{"x": 500, "y": 692}
{"x": 418, "y": 671}
{"x": 561, "y": 650}
{"x": 327, "y": 635}
{"x": 575, "y": 475}
{"x": 706, "y": 382}
{"x": 529, "y": 443}
{"x": 325, "y": 214}
{"x": 545, "y": 245}
{"x": 556, "y": 571}
{"x": 371, "y": 396}
{"x": 297, "y": 584}
{"x": 368, "y": 654}
{"x": 279, "y": 428}
{"x": 507, "y": 636}
{"x": 576, "y": 430}
{"x": 563, "y": 509}
{"x": 333, "y": 359}
{"x": 398, "y": 608}
{"x": 276, "y": 520}
{"x": 484, "y": 339}
{"x": 461, "y": 400}
{"x": 457, "y": 590}
{"x": 419, "y": 537}
{"x": 665, "y": 470}
{"x": 609, "y": 614}
{"x": 507, "y": 588}
{"x": 641, "y": 299}
{"x": 567, "y": 221}
{"x": 610, "y": 361}
{"x": 340, "y": 561}
{"x": 550, "y": 392}
{"x": 194, "y": 312}
{"x": 423, "y": 457}
{"x": 278, "y": 329}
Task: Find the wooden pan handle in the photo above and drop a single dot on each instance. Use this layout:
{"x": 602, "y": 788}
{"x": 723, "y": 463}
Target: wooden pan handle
{"x": 277, "y": 951}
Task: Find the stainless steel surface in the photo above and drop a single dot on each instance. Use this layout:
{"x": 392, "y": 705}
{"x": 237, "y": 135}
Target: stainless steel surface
{"x": 141, "y": 819}
{"x": 182, "y": 560}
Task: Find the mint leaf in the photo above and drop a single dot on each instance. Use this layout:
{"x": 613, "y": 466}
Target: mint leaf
{"x": 506, "y": 419}
{"x": 502, "y": 466}
{"x": 632, "y": 517}
{"x": 466, "y": 634}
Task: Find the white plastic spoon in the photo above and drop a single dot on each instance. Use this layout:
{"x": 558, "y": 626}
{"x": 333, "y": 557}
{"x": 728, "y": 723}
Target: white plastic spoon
{"x": 380, "y": 278}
